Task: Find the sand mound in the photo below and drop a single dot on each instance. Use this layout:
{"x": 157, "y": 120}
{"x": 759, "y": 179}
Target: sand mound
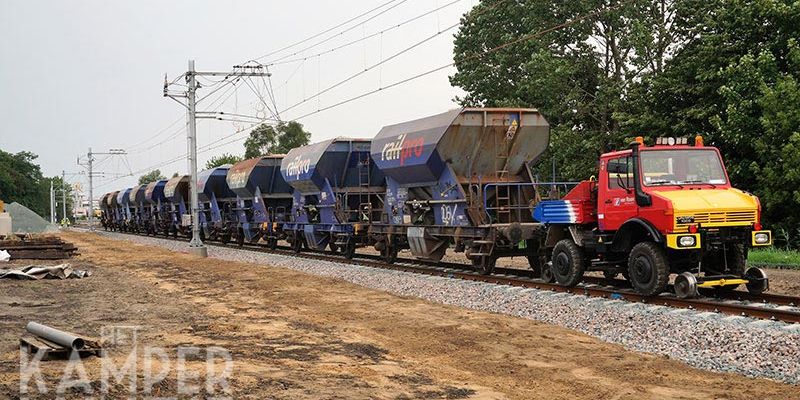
{"x": 23, "y": 220}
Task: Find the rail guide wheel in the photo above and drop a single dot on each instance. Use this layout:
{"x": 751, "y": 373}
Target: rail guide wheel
{"x": 685, "y": 285}
{"x": 758, "y": 282}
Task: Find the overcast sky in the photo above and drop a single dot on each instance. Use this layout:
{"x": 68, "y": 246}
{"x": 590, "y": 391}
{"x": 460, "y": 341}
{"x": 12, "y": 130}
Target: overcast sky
{"x": 76, "y": 74}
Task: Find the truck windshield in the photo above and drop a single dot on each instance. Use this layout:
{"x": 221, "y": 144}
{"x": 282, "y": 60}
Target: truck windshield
{"x": 682, "y": 167}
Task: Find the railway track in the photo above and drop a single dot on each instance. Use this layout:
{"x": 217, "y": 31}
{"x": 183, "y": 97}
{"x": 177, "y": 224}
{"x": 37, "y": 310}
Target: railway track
{"x": 737, "y": 303}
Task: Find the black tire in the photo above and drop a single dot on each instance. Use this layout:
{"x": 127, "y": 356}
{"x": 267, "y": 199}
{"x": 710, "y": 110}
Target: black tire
{"x": 568, "y": 263}
{"x": 648, "y": 269}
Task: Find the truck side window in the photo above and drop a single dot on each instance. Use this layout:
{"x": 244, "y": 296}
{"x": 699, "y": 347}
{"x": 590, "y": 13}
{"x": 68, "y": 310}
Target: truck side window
{"x": 620, "y": 173}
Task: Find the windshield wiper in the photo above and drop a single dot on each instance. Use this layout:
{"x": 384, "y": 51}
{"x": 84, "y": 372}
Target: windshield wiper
{"x": 704, "y": 182}
{"x": 659, "y": 183}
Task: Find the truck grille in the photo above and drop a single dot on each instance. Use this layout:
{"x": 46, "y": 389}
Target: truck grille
{"x": 719, "y": 218}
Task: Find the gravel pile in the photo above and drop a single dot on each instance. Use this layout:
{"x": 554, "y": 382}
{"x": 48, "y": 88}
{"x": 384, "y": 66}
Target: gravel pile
{"x": 716, "y": 342}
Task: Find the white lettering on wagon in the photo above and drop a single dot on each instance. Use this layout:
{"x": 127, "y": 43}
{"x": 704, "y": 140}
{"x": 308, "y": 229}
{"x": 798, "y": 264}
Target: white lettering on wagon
{"x": 298, "y": 166}
{"x": 402, "y": 149}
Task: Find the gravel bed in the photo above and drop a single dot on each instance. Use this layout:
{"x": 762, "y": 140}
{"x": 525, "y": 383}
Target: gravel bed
{"x": 754, "y": 348}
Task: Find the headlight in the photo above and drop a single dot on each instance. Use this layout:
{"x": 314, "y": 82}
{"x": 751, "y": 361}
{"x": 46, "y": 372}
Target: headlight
{"x": 686, "y": 241}
{"x": 761, "y": 238}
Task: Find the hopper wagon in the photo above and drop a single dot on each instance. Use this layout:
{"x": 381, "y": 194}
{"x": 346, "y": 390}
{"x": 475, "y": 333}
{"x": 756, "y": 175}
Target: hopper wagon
{"x": 158, "y": 207}
{"x": 263, "y": 200}
{"x": 139, "y": 213}
{"x": 124, "y": 210}
{"x": 176, "y": 191}
{"x": 461, "y": 179}
{"x": 215, "y": 200}
{"x": 337, "y": 191}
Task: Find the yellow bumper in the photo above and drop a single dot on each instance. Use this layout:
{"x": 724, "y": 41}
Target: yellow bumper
{"x": 759, "y": 235}
{"x": 674, "y": 241}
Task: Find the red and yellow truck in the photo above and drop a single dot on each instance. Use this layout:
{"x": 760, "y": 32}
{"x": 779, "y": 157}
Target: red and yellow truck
{"x": 654, "y": 211}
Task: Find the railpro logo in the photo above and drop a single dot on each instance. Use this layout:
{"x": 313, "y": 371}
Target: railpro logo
{"x": 298, "y": 166}
{"x": 402, "y": 149}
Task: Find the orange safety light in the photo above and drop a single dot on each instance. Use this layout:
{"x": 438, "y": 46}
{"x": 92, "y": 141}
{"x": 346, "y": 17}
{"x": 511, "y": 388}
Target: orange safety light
{"x": 698, "y": 141}
{"x": 640, "y": 140}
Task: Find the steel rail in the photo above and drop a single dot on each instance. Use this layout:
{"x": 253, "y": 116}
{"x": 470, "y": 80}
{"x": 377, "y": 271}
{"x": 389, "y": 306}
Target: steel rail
{"x": 597, "y": 287}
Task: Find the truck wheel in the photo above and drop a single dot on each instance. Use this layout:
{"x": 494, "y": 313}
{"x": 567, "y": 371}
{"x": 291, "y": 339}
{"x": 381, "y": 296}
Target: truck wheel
{"x": 568, "y": 263}
{"x": 648, "y": 269}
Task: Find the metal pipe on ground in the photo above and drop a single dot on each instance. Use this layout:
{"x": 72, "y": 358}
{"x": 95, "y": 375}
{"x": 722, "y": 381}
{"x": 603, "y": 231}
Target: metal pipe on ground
{"x": 56, "y": 336}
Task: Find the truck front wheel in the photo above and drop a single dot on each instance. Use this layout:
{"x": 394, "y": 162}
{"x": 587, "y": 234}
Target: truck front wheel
{"x": 648, "y": 269}
{"x": 568, "y": 263}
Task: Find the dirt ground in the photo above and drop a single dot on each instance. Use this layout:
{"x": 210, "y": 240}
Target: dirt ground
{"x": 293, "y": 336}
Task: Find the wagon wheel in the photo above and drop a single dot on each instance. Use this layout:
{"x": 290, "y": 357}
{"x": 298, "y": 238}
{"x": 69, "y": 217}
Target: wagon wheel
{"x": 389, "y": 250}
{"x": 240, "y": 237}
{"x": 297, "y": 243}
{"x": 272, "y": 243}
{"x": 484, "y": 263}
{"x": 349, "y": 249}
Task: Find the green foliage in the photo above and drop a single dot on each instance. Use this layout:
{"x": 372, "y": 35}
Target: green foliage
{"x": 223, "y": 159}
{"x": 21, "y": 180}
{"x": 725, "y": 69}
{"x": 775, "y": 256}
{"x": 152, "y": 176}
{"x": 576, "y": 76}
{"x": 266, "y": 139}
{"x": 737, "y": 84}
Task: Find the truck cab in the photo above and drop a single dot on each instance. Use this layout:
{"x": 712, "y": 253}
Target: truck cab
{"x": 660, "y": 210}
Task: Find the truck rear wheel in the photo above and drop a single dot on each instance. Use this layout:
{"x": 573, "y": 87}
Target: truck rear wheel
{"x": 568, "y": 263}
{"x": 648, "y": 269}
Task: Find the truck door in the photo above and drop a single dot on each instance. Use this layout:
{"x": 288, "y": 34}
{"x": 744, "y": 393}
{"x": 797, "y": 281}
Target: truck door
{"x": 616, "y": 201}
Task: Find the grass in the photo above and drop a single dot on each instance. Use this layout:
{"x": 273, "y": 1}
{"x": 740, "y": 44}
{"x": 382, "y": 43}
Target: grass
{"x": 775, "y": 256}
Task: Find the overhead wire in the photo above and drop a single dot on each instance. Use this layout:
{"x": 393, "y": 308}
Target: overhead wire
{"x": 376, "y": 33}
{"x": 531, "y": 36}
{"x": 329, "y": 38}
{"x": 370, "y": 11}
{"x": 535, "y": 35}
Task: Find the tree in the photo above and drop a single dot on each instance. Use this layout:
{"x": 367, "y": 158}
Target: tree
{"x": 266, "y": 139}
{"x": 21, "y": 181}
{"x": 223, "y": 159}
{"x": 577, "y": 76}
{"x": 736, "y": 83}
{"x": 152, "y": 176}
